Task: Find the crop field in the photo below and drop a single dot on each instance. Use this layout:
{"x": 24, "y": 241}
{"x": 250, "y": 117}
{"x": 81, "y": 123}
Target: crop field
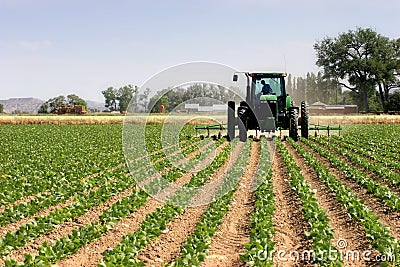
{"x": 70, "y": 196}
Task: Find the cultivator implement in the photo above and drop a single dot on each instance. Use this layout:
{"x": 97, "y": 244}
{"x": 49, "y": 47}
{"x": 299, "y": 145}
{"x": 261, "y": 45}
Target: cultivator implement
{"x": 317, "y": 128}
{"x": 328, "y": 128}
{"x": 208, "y": 128}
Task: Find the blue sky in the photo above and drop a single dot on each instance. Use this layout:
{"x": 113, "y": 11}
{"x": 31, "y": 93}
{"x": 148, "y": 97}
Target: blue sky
{"x": 50, "y": 47}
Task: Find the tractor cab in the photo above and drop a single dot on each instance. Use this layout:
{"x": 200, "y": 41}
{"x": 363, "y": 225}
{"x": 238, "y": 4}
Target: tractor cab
{"x": 276, "y": 81}
{"x": 265, "y": 110}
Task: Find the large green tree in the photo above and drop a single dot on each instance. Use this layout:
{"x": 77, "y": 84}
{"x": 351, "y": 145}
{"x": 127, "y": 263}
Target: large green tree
{"x": 352, "y": 58}
{"x": 1, "y": 108}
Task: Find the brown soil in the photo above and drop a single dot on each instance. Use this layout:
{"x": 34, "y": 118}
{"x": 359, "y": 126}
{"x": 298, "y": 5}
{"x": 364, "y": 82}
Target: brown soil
{"x": 233, "y": 233}
{"x": 344, "y": 227}
{"x": 387, "y": 217}
{"x": 91, "y": 254}
{"x": 166, "y": 248}
{"x": 289, "y": 223}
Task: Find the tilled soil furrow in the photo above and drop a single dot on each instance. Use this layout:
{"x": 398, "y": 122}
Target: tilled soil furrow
{"x": 348, "y": 234}
{"x": 233, "y": 233}
{"x": 289, "y": 223}
{"x": 387, "y": 217}
{"x": 91, "y": 254}
{"x": 166, "y": 248}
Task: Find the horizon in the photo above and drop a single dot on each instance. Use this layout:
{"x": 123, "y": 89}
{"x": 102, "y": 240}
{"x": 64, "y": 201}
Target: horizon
{"x": 57, "y": 48}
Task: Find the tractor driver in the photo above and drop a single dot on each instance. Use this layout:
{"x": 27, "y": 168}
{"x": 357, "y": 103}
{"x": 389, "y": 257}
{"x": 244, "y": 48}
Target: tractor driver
{"x": 266, "y": 89}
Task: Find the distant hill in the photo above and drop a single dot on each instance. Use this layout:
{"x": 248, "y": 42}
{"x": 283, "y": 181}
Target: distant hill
{"x": 31, "y": 105}
{"x": 24, "y": 105}
{"x": 95, "y": 105}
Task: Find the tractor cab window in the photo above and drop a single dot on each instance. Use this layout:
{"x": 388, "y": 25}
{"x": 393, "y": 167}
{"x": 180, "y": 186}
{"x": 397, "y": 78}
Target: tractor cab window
{"x": 274, "y": 83}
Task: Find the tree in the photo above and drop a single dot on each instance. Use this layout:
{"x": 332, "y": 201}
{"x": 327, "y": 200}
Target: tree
{"x": 144, "y": 99}
{"x": 1, "y": 108}
{"x": 75, "y": 100}
{"x": 351, "y": 58}
{"x": 44, "y": 108}
{"x": 394, "y": 101}
{"x": 124, "y": 95}
{"x": 52, "y": 104}
{"x": 56, "y": 102}
{"x": 110, "y": 96}
{"x": 387, "y": 68}
{"x": 289, "y": 85}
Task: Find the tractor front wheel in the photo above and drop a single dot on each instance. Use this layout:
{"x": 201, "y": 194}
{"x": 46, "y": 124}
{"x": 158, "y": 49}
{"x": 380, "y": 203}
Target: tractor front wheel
{"x": 231, "y": 120}
{"x": 293, "y": 123}
{"x": 304, "y": 120}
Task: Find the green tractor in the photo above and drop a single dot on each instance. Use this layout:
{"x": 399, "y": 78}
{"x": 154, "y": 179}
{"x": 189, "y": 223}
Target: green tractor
{"x": 267, "y": 108}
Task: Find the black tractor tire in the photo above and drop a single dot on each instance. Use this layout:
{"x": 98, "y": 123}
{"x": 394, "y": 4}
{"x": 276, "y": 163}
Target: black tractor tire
{"x": 294, "y": 123}
{"x": 231, "y": 120}
{"x": 304, "y": 120}
{"x": 242, "y": 117}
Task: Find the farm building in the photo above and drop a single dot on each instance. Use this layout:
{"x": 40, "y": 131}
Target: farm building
{"x": 319, "y": 108}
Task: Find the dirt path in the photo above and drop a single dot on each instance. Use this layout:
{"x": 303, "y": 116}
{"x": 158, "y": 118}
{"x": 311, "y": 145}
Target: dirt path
{"x": 289, "y": 223}
{"x": 344, "y": 227}
{"x": 387, "y": 217}
{"x": 167, "y": 247}
{"x": 234, "y": 231}
{"x": 91, "y": 254}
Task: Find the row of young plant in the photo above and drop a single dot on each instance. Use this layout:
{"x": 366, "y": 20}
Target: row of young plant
{"x": 124, "y": 254}
{"x": 39, "y": 158}
{"x": 51, "y": 253}
{"x": 381, "y": 138}
{"x": 81, "y": 204}
{"x": 74, "y": 188}
{"x": 371, "y": 149}
{"x": 195, "y": 248}
{"x": 381, "y": 163}
{"x": 320, "y": 232}
{"x": 382, "y": 192}
{"x": 262, "y": 228}
{"x": 42, "y": 157}
{"x": 378, "y": 233}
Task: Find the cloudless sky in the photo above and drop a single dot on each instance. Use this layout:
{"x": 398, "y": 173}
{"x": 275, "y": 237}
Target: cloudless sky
{"x": 53, "y": 47}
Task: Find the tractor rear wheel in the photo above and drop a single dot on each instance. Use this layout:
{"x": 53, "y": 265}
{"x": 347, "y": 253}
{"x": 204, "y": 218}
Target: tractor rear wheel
{"x": 304, "y": 120}
{"x": 231, "y": 120}
{"x": 293, "y": 123}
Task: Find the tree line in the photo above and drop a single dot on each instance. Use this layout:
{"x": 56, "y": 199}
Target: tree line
{"x": 51, "y": 105}
{"x": 204, "y": 94}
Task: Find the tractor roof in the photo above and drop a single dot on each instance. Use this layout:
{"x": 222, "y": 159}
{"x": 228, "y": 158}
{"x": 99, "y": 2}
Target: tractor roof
{"x": 267, "y": 74}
